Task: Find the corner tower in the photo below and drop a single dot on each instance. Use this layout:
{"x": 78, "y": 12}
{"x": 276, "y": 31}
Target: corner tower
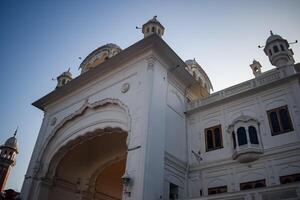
{"x": 277, "y": 49}
{"x": 8, "y": 152}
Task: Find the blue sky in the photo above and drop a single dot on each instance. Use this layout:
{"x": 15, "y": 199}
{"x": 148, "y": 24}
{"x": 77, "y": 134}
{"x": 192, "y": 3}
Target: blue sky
{"x": 41, "y": 39}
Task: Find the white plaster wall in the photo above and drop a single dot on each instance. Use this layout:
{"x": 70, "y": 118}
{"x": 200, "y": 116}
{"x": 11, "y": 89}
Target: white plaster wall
{"x": 108, "y": 86}
{"x": 176, "y": 144}
{"x": 281, "y": 152}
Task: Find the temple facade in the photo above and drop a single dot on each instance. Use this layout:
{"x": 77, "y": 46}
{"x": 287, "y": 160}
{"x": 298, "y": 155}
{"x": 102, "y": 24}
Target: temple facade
{"x": 141, "y": 123}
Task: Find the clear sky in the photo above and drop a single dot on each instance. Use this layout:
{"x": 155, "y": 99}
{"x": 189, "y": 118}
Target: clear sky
{"x": 41, "y": 39}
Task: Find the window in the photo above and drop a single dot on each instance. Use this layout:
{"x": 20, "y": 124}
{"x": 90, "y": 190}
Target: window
{"x": 242, "y": 136}
{"x": 275, "y": 48}
{"x": 148, "y": 29}
{"x": 173, "y": 192}
{"x": 158, "y": 31}
{"x": 279, "y": 120}
{"x": 213, "y": 137}
{"x": 217, "y": 190}
{"x": 153, "y": 29}
{"x": 253, "y": 135}
{"x": 253, "y": 184}
{"x": 282, "y": 47}
{"x": 270, "y": 52}
{"x": 290, "y": 178}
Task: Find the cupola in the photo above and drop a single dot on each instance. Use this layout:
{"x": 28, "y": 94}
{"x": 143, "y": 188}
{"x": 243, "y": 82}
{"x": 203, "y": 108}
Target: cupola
{"x": 277, "y": 49}
{"x": 256, "y": 68}
{"x": 153, "y": 26}
{"x": 9, "y": 150}
{"x": 64, "y": 78}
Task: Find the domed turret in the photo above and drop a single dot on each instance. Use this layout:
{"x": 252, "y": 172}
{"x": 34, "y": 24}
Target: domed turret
{"x": 277, "y": 49}
{"x": 153, "y": 26}
{"x": 8, "y": 152}
{"x": 64, "y": 78}
{"x": 98, "y": 56}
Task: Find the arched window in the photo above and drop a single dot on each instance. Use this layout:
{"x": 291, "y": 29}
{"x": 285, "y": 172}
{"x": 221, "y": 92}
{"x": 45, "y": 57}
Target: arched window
{"x": 270, "y": 52}
{"x": 147, "y": 30}
{"x": 153, "y": 29}
{"x": 275, "y": 48}
{"x": 253, "y": 135}
{"x": 242, "y": 136}
{"x": 233, "y": 139}
{"x": 158, "y": 31}
{"x": 63, "y": 82}
{"x": 282, "y": 47}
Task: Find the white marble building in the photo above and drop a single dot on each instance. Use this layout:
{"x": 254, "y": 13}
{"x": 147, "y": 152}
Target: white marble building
{"x": 140, "y": 123}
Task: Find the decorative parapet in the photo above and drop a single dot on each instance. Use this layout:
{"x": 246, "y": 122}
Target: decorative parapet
{"x": 266, "y": 78}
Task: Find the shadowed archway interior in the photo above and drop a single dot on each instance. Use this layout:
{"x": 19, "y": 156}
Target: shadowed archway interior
{"x": 92, "y": 169}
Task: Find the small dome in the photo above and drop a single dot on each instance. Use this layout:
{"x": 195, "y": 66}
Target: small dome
{"x": 273, "y": 37}
{"x": 98, "y": 56}
{"x": 67, "y": 73}
{"x": 11, "y": 143}
{"x": 192, "y": 63}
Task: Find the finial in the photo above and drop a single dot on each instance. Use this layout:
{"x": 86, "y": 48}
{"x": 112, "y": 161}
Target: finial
{"x": 154, "y": 17}
{"x": 16, "y": 131}
{"x": 271, "y": 32}
{"x": 69, "y": 69}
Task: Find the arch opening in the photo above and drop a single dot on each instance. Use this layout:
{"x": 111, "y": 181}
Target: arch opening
{"x": 91, "y": 168}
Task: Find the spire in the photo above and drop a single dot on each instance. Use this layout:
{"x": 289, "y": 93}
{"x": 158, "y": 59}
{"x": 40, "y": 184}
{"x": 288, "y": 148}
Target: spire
{"x": 271, "y": 32}
{"x": 16, "y": 131}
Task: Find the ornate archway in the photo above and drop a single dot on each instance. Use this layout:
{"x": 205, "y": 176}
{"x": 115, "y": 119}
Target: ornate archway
{"x": 83, "y": 149}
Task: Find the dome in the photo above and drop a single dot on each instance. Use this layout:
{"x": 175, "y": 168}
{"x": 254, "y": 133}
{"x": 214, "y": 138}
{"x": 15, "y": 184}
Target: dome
{"x": 11, "y": 143}
{"x": 192, "y": 63}
{"x": 67, "y": 73}
{"x": 273, "y": 37}
{"x": 98, "y": 56}
{"x": 154, "y": 21}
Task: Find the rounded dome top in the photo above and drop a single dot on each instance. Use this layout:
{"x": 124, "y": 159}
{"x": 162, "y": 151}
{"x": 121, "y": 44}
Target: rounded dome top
{"x": 98, "y": 56}
{"x": 192, "y": 63}
{"x": 273, "y": 37}
{"x": 154, "y": 21}
{"x": 67, "y": 73}
{"x": 11, "y": 143}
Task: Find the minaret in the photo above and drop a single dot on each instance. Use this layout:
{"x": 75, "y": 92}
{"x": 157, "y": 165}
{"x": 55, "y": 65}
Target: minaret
{"x": 277, "y": 49}
{"x": 256, "y": 68}
{"x": 8, "y": 153}
{"x": 153, "y": 26}
{"x": 64, "y": 78}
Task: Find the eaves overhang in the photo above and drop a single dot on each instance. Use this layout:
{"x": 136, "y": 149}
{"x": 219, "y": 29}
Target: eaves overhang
{"x": 175, "y": 63}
